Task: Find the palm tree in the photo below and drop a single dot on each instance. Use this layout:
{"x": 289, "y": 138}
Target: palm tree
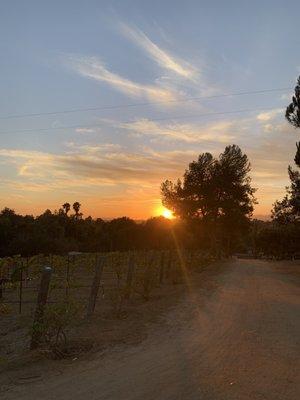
{"x": 76, "y": 208}
{"x": 66, "y": 207}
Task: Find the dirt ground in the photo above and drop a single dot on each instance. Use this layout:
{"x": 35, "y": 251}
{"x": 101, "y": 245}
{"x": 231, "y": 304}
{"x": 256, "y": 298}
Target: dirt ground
{"x": 225, "y": 335}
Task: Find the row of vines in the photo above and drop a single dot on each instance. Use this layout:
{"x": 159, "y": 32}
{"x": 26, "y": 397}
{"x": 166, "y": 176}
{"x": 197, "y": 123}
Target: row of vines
{"x": 82, "y": 284}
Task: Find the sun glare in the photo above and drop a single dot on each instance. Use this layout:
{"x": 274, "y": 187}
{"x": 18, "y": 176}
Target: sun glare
{"x": 167, "y": 214}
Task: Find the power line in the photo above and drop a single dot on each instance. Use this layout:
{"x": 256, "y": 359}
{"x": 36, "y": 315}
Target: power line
{"x": 113, "y": 107}
{"x": 132, "y": 121}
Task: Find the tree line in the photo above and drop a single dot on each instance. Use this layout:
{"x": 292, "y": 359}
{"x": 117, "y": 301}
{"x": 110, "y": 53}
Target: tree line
{"x": 213, "y": 204}
{"x": 59, "y": 233}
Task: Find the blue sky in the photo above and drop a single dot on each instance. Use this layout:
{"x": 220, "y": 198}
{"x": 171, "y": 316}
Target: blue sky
{"x": 150, "y": 59}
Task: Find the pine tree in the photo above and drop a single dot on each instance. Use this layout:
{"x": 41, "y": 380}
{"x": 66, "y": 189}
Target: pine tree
{"x": 292, "y": 114}
{"x": 288, "y": 210}
{"x": 215, "y": 191}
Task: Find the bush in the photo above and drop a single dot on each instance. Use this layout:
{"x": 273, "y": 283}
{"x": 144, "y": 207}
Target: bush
{"x": 56, "y": 320}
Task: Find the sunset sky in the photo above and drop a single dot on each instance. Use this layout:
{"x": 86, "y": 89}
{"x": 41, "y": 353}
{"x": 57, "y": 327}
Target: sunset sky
{"x": 153, "y": 75}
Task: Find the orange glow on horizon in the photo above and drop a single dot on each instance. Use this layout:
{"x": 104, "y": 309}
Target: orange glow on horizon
{"x": 165, "y": 212}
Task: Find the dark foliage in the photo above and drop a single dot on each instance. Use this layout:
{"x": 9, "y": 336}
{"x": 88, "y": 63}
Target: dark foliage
{"x": 288, "y": 209}
{"x": 216, "y": 192}
{"x": 281, "y": 237}
{"x": 292, "y": 113}
{"x": 59, "y": 233}
{"x": 274, "y": 240}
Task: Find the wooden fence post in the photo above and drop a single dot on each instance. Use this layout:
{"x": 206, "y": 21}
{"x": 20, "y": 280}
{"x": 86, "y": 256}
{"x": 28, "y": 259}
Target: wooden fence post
{"x": 162, "y": 267}
{"x": 130, "y": 273}
{"x": 21, "y": 289}
{"x": 95, "y": 285}
{"x": 2, "y": 279}
{"x": 169, "y": 264}
{"x": 67, "y": 276}
{"x": 40, "y": 306}
{"x": 26, "y": 272}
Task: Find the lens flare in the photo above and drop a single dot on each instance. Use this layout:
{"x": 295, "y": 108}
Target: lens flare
{"x": 167, "y": 214}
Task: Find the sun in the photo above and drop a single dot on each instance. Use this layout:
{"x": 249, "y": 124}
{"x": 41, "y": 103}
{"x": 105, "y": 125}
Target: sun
{"x": 164, "y": 212}
{"x": 167, "y": 214}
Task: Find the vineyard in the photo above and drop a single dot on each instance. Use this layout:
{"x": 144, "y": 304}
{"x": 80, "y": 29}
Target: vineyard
{"x": 51, "y": 294}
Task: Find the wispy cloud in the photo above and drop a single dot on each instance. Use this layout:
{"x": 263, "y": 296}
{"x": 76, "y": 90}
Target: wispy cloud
{"x": 87, "y": 165}
{"x": 220, "y": 132}
{"x": 94, "y": 68}
{"x": 160, "y": 56}
{"x": 275, "y": 122}
{"x": 269, "y": 115}
{"x": 85, "y": 130}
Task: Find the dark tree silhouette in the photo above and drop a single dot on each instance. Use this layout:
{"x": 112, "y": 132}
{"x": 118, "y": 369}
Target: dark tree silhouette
{"x": 292, "y": 114}
{"x": 294, "y": 191}
{"x": 58, "y": 233}
{"x": 282, "y": 211}
{"x": 76, "y": 208}
{"x": 216, "y": 191}
{"x": 288, "y": 209}
{"x": 66, "y": 207}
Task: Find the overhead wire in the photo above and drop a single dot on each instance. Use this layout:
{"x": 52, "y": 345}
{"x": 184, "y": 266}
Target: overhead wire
{"x": 120, "y": 106}
{"x": 86, "y": 126}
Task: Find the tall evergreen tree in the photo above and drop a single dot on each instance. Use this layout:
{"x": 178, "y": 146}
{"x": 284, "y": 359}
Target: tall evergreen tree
{"x": 292, "y": 114}
{"x": 215, "y": 191}
{"x": 288, "y": 209}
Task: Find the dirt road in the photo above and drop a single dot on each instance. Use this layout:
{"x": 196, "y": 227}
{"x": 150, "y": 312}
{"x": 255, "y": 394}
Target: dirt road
{"x": 240, "y": 342}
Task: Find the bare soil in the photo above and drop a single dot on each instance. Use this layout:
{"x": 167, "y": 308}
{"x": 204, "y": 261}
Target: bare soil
{"x": 226, "y": 334}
